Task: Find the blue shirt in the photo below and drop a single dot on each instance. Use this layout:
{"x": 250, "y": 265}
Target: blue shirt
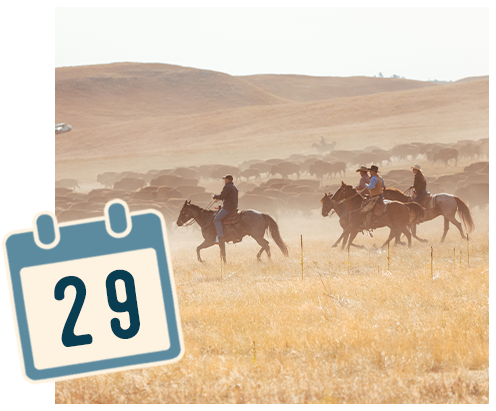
{"x": 373, "y": 181}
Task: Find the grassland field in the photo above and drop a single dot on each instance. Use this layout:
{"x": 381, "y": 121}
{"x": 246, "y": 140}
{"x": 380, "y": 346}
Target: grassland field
{"x": 348, "y": 331}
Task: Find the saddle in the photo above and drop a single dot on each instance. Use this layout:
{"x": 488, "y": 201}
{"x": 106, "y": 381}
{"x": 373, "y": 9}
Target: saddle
{"x": 428, "y": 201}
{"x": 233, "y": 217}
{"x": 380, "y": 207}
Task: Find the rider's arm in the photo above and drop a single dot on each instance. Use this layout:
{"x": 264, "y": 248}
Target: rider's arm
{"x": 361, "y": 185}
{"x": 373, "y": 182}
{"x": 416, "y": 183}
{"x": 223, "y": 194}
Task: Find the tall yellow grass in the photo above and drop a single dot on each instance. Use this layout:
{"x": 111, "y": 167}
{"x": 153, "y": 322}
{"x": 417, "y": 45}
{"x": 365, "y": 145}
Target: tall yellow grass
{"x": 261, "y": 334}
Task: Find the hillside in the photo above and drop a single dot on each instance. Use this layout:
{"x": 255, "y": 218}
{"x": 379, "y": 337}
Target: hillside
{"x": 307, "y": 88}
{"x": 90, "y": 96}
{"x": 143, "y": 116}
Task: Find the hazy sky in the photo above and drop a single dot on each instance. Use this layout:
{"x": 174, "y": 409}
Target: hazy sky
{"x": 415, "y": 43}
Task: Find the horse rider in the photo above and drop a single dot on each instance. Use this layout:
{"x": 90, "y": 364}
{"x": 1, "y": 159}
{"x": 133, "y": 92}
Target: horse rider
{"x": 375, "y": 188}
{"x": 229, "y": 195}
{"x": 419, "y": 184}
{"x": 364, "y": 180}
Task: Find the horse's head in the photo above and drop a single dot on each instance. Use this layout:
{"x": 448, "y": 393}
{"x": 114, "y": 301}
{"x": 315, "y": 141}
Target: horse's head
{"x": 185, "y": 214}
{"x": 343, "y": 192}
{"x": 327, "y": 204}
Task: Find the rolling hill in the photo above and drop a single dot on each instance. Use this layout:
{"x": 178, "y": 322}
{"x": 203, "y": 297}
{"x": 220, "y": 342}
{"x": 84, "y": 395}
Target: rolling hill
{"x": 142, "y": 116}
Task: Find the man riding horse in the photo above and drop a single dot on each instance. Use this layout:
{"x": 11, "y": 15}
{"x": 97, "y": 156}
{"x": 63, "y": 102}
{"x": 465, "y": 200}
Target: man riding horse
{"x": 229, "y": 195}
{"x": 419, "y": 184}
{"x": 375, "y": 188}
{"x": 364, "y": 180}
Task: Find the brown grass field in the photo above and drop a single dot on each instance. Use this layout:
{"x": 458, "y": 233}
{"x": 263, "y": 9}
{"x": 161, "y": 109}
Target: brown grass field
{"x": 357, "y": 333}
{"x": 350, "y": 330}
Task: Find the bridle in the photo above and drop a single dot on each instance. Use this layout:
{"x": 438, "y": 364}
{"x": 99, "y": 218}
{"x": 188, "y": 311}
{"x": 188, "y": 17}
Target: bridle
{"x": 190, "y": 221}
{"x": 347, "y": 198}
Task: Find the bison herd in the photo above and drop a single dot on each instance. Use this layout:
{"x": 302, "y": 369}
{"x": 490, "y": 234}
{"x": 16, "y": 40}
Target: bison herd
{"x": 292, "y": 185}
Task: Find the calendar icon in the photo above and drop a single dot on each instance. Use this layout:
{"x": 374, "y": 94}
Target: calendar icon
{"x": 93, "y": 296}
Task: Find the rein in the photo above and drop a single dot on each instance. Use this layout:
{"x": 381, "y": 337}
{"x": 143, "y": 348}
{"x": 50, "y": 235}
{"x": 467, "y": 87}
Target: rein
{"x": 192, "y": 220}
{"x": 408, "y": 193}
{"x": 346, "y": 199}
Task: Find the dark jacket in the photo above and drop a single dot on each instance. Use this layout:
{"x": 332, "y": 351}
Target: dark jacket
{"x": 420, "y": 183}
{"x": 229, "y": 195}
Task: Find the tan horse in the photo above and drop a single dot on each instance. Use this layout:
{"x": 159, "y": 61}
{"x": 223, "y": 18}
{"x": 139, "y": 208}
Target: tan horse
{"x": 446, "y": 205}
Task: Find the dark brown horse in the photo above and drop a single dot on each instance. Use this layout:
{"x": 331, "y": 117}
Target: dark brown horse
{"x": 397, "y": 216}
{"x": 252, "y": 223}
{"x": 342, "y": 211}
{"x": 446, "y": 205}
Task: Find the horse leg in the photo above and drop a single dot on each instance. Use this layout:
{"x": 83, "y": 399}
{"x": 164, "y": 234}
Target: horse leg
{"x": 458, "y": 225}
{"x": 446, "y": 228}
{"x": 353, "y": 244}
{"x": 265, "y": 246}
{"x": 392, "y": 234}
{"x": 222, "y": 246}
{"x": 405, "y": 231}
{"x": 352, "y": 235}
{"x": 397, "y": 240}
{"x": 413, "y": 229}
{"x": 346, "y": 236}
{"x": 339, "y": 239}
{"x": 205, "y": 244}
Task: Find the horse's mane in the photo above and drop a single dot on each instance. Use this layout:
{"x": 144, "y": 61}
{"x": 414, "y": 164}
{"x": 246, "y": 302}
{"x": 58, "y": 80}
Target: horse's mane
{"x": 395, "y": 190}
{"x": 197, "y": 207}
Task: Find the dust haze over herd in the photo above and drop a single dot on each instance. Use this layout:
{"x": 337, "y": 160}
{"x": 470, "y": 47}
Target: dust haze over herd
{"x": 137, "y": 117}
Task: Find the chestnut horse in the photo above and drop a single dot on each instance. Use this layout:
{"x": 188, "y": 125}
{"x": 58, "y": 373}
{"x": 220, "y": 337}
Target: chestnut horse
{"x": 446, "y": 205}
{"x": 397, "y": 216}
{"x": 342, "y": 211}
{"x": 252, "y": 223}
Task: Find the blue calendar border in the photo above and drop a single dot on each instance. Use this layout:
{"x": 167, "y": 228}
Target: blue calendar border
{"x": 86, "y": 239}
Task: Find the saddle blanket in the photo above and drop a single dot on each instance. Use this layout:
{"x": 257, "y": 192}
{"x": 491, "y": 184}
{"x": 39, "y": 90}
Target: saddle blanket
{"x": 429, "y": 201}
{"x": 432, "y": 202}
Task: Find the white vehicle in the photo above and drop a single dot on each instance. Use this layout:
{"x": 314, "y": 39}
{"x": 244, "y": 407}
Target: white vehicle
{"x": 62, "y": 128}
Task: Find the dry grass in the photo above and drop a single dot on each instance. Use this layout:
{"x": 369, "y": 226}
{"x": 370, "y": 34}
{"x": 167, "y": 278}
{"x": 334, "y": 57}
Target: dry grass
{"x": 261, "y": 334}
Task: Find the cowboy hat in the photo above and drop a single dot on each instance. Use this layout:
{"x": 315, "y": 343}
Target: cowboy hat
{"x": 374, "y": 168}
{"x": 416, "y": 167}
{"x": 228, "y": 176}
{"x": 362, "y": 168}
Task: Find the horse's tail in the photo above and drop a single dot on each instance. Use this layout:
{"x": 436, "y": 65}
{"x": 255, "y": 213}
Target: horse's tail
{"x": 272, "y": 228}
{"x": 464, "y": 213}
{"x": 417, "y": 212}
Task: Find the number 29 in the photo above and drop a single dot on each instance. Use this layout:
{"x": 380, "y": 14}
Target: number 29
{"x": 130, "y": 305}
